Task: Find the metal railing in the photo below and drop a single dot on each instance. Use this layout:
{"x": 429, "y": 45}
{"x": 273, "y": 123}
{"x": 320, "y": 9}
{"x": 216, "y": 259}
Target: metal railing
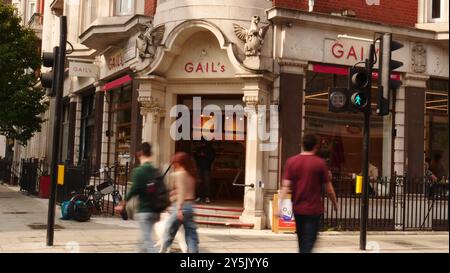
{"x": 398, "y": 203}
{"x": 119, "y": 177}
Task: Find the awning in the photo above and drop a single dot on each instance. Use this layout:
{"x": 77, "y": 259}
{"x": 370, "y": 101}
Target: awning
{"x": 339, "y": 70}
{"x": 117, "y": 82}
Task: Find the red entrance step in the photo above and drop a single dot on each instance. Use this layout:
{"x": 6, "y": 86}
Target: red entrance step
{"x": 224, "y": 224}
{"x": 219, "y": 216}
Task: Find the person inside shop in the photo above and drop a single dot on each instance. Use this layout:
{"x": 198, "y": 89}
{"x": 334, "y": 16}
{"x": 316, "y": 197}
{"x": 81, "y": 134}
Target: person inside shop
{"x": 373, "y": 176}
{"x": 430, "y": 178}
{"x": 204, "y": 157}
{"x": 437, "y": 167}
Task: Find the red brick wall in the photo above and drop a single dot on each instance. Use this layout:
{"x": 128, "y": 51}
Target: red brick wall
{"x": 150, "y": 7}
{"x": 403, "y": 13}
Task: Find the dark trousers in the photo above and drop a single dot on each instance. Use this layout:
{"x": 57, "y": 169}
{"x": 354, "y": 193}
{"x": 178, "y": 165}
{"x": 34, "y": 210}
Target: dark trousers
{"x": 204, "y": 191}
{"x": 307, "y": 229}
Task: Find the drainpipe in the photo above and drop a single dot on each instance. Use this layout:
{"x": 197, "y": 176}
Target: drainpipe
{"x": 311, "y": 5}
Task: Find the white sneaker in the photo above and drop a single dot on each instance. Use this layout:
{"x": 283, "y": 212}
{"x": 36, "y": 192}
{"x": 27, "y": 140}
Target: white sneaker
{"x": 207, "y": 201}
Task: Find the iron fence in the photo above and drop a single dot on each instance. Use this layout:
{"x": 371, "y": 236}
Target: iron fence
{"x": 118, "y": 175}
{"x": 398, "y": 203}
{"x": 30, "y": 171}
{"x": 5, "y": 170}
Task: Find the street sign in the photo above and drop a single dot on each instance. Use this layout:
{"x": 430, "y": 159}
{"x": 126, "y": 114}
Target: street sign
{"x": 80, "y": 69}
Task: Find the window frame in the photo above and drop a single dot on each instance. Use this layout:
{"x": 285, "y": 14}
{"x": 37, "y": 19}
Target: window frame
{"x": 443, "y": 12}
{"x": 29, "y": 12}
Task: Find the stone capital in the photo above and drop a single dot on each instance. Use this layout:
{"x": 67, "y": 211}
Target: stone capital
{"x": 150, "y": 105}
{"x": 292, "y": 66}
{"x": 415, "y": 80}
{"x": 98, "y": 86}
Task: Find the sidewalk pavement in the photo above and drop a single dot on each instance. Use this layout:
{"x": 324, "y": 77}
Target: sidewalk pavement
{"x": 23, "y": 219}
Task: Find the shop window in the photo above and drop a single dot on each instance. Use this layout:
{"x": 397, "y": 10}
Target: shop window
{"x": 87, "y": 141}
{"x": 121, "y": 117}
{"x": 124, "y": 7}
{"x": 341, "y": 134}
{"x": 436, "y": 125}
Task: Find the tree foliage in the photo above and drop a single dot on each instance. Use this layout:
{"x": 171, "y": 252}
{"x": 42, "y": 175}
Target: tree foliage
{"x": 21, "y": 100}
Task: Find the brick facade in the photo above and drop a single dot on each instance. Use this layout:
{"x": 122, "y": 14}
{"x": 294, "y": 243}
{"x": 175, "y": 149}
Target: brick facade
{"x": 402, "y": 13}
{"x": 150, "y": 7}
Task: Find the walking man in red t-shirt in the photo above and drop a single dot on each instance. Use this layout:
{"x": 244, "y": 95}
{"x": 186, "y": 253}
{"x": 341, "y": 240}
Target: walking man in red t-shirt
{"x": 305, "y": 175}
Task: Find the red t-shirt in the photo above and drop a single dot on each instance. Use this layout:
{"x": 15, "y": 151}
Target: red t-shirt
{"x": 307, "y": 174}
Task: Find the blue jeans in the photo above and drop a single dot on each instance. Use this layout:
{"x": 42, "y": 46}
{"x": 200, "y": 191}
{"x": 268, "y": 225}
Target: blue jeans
{"x": 307, "y": 229}
{"x": 190, "y": 228}
{"x": 147, "y": 221}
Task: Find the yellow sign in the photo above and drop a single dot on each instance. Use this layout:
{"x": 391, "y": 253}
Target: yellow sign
{"x": 359, "y": 182}
{"x": 60, "y": 175}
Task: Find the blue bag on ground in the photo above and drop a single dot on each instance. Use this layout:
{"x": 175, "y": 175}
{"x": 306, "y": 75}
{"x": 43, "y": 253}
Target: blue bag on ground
{"x": 66, "y": 210}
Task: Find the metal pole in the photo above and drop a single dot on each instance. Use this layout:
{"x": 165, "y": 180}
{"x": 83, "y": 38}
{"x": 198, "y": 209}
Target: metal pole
{"x": 58, "y": 84}
{"x": 365, "y": 186}
{"x": 366, "y": 141}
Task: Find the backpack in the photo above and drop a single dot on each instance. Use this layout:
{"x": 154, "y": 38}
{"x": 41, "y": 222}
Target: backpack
{"x": 157, "y": 191}
{"x": 66, "y": 210}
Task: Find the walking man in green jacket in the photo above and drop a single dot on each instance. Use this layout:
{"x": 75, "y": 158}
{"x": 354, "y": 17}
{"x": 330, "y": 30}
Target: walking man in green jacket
{"x": 146, "y": 216}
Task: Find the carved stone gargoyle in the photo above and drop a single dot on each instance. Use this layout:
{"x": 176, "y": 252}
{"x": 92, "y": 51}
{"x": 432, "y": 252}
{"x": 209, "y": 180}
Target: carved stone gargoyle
{"x": 149, "y": 40}
{"x": 253, "y": 39}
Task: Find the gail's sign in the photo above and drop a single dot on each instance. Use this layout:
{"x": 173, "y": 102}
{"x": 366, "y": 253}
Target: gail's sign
{"x": 347, "y": 52}
{"x": 83, "y": 70}
{"x": 204, "y": 67}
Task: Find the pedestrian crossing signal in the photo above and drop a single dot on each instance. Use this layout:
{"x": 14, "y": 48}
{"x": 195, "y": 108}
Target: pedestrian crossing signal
{"x": 359, "y": 100}
{"x": 359, "y": 86}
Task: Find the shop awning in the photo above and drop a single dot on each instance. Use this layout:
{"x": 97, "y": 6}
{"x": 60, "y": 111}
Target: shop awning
{"x": 117, "y": 82}
{"x": 339, "y": 70}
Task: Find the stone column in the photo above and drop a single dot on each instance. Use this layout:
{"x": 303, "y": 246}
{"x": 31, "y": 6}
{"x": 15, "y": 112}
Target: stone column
{"x": 99, "y": 102}
{"x": 292, "y": 75}
{"x": 77, "y": 140}
{"x": 256, "y": 170}
{"x": 152, "y": 100}
{"x": 74, "y": 101}
{"x": 105, "y": 129}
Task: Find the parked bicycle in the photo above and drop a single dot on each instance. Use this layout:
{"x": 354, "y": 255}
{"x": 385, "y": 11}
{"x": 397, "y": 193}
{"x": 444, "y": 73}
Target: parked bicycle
{"x": 94, "y": 197}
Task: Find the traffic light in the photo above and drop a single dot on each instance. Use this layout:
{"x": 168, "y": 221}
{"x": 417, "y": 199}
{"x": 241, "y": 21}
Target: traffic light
{"x": 359, "y": 88}
{"x": 386, "y": 66}
{"x": 48, "y": 79}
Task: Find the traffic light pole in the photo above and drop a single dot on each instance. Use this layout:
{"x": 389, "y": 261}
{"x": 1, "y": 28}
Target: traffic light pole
{"x": 58, "y": 85}
{"x": 366, "y": 143}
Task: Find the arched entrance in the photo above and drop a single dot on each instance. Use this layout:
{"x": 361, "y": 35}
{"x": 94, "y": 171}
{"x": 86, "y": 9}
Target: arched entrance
{"x": 199, "y": 62}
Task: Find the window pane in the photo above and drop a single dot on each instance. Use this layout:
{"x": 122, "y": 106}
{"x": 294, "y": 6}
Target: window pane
{"x": 124, "y": 7}
{"x": 341, "y": 134}
{"x": 436, "y": 9}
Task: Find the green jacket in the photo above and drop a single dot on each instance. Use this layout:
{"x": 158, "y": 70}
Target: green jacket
{"x": 140, "y": 178}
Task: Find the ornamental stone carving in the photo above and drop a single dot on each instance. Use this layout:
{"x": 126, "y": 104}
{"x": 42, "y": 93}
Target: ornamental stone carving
{"x": 253, "y": 39}
{"x": 149, "y": 40}
{"x": 419, "y": 58}
{"x": 150, "y": 105}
